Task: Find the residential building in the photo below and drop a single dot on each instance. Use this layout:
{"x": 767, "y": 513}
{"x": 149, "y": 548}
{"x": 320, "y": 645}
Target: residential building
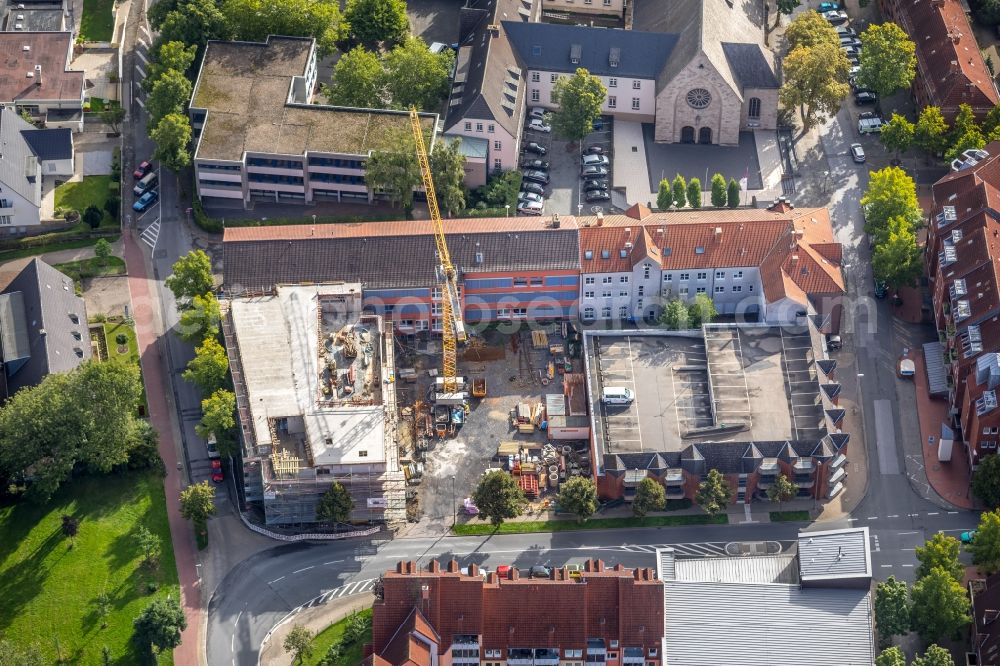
{"x": 36, "y": 17}
{"x": 43, "y": 325}
{"x": 985, "y": 638}
{"x": 259, "y": 137}
{"x": 476, "y": 152}
{"x": 318, "y": 407}
{"x": 950, "y": 67}
{"x": 29, "y": 157}
{"x": 512, "y": 268}
{"x": 39, "y": 80}
{"x": 591, "y": 7}
{"x": 738, "y": 610}
{"x": 457, "y": 616}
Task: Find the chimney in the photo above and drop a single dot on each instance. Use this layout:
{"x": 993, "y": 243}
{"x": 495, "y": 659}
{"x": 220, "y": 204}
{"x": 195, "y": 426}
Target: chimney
{"x": 795, "y": 258}
{"x": 555, "y": 221}
{"x": 453, "y": 566}
{"x": 598, "y": 565}
{"x": 473, "y": 569}
{"x": 399, "y": 567}
{"x": 514, "y": 575}
{"x": 619, "y": 567}
{"x": 799, "y": 234}
{"x": 38, "y": 75}
{"x": 435, "y": 567}
{"x": 600, "y": 218}
{"x": 718, "y": 234}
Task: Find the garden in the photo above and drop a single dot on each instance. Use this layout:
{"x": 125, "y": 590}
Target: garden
{"x": 98, "y": 21}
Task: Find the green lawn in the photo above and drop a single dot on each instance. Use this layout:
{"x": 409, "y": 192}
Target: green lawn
{"x": 789, "y": 516}
{"x": 98, "y": 21}
{"x": 47, "y": 588}
{"x": 87, "y": 268}
{"x": 91, "y": 191}
{"x": 324, "y": 639}
{"x": 131, "y": 355}
{"x": 519, "y": 527}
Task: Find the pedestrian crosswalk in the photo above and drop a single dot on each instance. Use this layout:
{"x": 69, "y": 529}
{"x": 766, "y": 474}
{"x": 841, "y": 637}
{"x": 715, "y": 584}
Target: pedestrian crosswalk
{"x": 356, "y": 587}
{"x": 151, "y": 234}
{"x": 714, "y": 548}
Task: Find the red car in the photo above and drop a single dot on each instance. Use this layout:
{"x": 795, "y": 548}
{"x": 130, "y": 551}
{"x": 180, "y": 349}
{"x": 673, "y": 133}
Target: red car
{"x": 217, "y": 471}
{"x": 503, "y": 570}
{"x": 141, "y": 170}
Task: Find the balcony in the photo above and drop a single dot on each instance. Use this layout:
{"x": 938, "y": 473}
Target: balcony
{"x": 804, "y": 481}
{"x": 803, "y": 466}
{"x": 675, "y": 492}
{"x": 674, "y": 477}
{"x": 766, "y": 482}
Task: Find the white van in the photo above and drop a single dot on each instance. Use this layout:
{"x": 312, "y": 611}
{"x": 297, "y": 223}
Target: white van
{"x": 617, "y": 395}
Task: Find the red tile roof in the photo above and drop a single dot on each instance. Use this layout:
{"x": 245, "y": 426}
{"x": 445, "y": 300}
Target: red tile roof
{"x": 50, "y": 50}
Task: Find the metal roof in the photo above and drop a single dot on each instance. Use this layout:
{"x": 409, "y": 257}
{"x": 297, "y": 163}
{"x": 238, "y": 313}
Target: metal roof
{"x": 934, "y": 362}
{"x": 760, "y": 569}
{"x": 834, "y": 554}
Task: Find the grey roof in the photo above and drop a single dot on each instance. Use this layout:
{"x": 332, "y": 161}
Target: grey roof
{"x": 39, "y": 18}
{"x": 754, "y": 569}
{"x": 49, "y": 302}
{"x": 749, "y": 65}
{"x": 13, "y": 328}
{"x": 50, "y": 144}
{"x": 18, "y": 164}
{"x": 547, "y": 47}
{"x": 834, "y": 554}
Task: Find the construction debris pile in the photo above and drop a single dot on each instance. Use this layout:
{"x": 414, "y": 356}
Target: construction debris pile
{"x": 348, "y": 365}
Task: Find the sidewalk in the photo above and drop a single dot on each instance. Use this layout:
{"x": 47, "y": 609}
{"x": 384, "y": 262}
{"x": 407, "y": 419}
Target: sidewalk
{"x": 314, "y": 619}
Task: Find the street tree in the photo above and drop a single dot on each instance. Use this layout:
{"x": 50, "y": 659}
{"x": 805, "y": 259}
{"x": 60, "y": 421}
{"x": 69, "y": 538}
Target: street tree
{"x": 694, "y": 193}
{"x": 200, "y": 318}
{"x": 714, "y": 493}
{"x": 102, "y": 250}
{"x": 676, "y": 315}
{"x": 192, "y": 22}
{"x": 217, "y": 415}
{"x": 897, "y": 135}
{"x": 782, "y": 490}
{"x": 897, "y": 260}
{"x": 70, "y": 528}
{"x": 733, "y": 193}
{"x": 501, "y": 189}
{"x": 415, "y": 77}
{"x": 172, "y": 136}
{"x": 254, "y": 20}
{"x": 892, "y": 656}
{"x": 785, "y": 7}
{"x": 448, "y": 172}
{"x": 580, "y": 97}
{"x": 358, "y": 81}
{"x": 664, "y": 195}
{"x": 374, "y": 21}
{"x": 965, "y": 121}
{"x": 679, "y": 191}
{"x": 169, "y": 94}
{"x": 149, "y": 544}
{"x": 498, "y": 497}
{"x": 987, "y": 12}
{"x": 931, "y": 130}
{"x": 992, "y": 120}
{"x": 986, "y": 546}
{"x": 335, "y": 505}
{"x": 934, "y": 656}
{"x": 986, "y": 481}
{"x": 191, "y": 275}
{"x": 175, "y": 55}
{"x": 395, "y": 172}
{"x": 940, "y": 607}
{"x": 971, "y": 138}
{"x": 649, "y": 496}
{"x": 112, "y": 115}
{"x": 815, "y": 81}
{"x": 702, "y": 310}
{"x": 888, "y": 59}
{"x": 941, "y": 551}
{"x": 578, "y": 496}
{"x": 159, "y": 626}
{"x": 892, "y": 609}
{"x": 298, "y": 643}
{"x": 198, "y": 503}
{"x": 719, "y": 196}
{"x": 209, "y": 367}
{"x": 809, "y": 29}
{"x": 891, "y": 193}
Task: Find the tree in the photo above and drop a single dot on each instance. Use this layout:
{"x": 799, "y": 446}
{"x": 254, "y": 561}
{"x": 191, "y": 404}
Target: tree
{"x": 448, "y": 173}
{"x": 416, "y": 77}
{"x": 940, "y": 606}
{"x": 580, "y": 98}
{"x": 987, "y": 12}
{"x": 112, "y": 115}
{"x": 679, "y": 191}
{"x": 335, "y": 505}
{"x": 102, "y": 250}
{"x": 298, "y": 642}
{"x": 782, "y": 490}
{"x": 172, "y": 136}
{"x": 935, "y": 656}
{"x": 809, "y": 29}
{"x": 209, "y": 367}
{"x": 965, "y": 121}
{"x": 815, "y": 81}
{"x": 649, "y": 496}
{"x": 254, "y": 20}
{"x": 358, "y": 81}
{"x": 664, "y": 195}
{"x": 200, "y": 318}
{"x": 702, "y": 310}
{"x": 191, "y": 22}
{"x": 694, "y": 193}
{"x": 93, "y": 216}
{"x": 941, "y": 551}
{"x": 897, "y": 258}
{"x": 986, "y": 481}
{"x": 191, "y": 275}
{"x": 714, "y": 493}
{"x": 174, "y": 55}
{"x": 992, "y": 120}
{"x": 394, "y": 172}
{"x": 198, "y": 503}
{"x": 374, "y": 21}
{"x": 149, "y": 544}
{"x": 888, "y": 59}
{"x": 892, "y": 656}
{"x": 892, "y": 609}
{"x": 986, "y": 546}
{"x": 103, "y": 603}
{"x": 719, "y": 190}
{"x": 931, "y": 130}
{"x": 498, "y": 497}
{"x": 501, "y": 189}
{"x": 169, "y": 95}
{"x": 897, "y": 135}
{"x": 733, "y": 193}
{"x": 217, "y": 415}
{"x": 676, "y": 315}
{"x": 160, "y": 624}
{"x": 891, "y": 193}
{"x": 18, "y": 655}
{"x": 972, "y": 138}
{"x": 785, "y": 7}
{"x": 578, "y": 496}
{"x": 70, "y": 528}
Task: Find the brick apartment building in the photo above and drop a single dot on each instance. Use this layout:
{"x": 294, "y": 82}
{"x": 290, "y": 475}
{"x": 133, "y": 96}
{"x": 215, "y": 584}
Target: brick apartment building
{"x": 445, "y": 617}
{"x": 962, "y": 252}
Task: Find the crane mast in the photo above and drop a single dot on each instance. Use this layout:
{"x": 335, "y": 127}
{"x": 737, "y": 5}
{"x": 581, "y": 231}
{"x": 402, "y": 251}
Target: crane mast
{"x": 452, "y": 325}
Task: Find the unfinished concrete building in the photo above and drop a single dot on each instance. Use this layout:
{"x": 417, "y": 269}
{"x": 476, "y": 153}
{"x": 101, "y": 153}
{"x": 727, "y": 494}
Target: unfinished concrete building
{"x": 313, "y": 376}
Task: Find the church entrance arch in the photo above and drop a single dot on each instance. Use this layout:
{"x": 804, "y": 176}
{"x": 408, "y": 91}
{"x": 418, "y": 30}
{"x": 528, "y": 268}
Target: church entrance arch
{"x": 687, "y": 134}
{"x": 705, "y": 135}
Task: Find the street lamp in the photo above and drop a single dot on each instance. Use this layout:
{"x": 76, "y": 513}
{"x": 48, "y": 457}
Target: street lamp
{"x": 454, "y": 504}
{"x": 507, "y": 206}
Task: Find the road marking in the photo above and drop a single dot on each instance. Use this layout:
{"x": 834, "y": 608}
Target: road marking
{"x": 140, "y": 102}
{"x": 912, "y": 515}
{"x": 872, "y": 517}
{"x": 238, "y": 618}
{"x": 276, "y": 580}
{"x": 141, "y": 71}
{"x": 932, "y": 513}
{"x": 886, "y": 566}
{"x": 301, "y": 570}
{"x": 902, "y": 533}
{"x": 953, "y": 513}
{"x": 333, "y": 562}
{"x": 893, "y": 516}
{"x": 232, "y": 643}
{"x": 145, "y": 60}
{"x": 151, "y": 234}
{"x": 910, "y": 549}
{"x": 907, "y": 566}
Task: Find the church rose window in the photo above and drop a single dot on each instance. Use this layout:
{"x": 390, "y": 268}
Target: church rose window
{"x": 699, "y": 98}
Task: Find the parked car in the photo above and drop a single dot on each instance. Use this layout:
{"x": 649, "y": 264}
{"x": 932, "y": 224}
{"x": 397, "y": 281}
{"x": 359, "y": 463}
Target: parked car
{"x": 217, "y": 476}
{"x": 535, "y": 164}
{"x": 539, "y": 125}
{"x": 537, "y": 112}
{"x": 853, "y": 71}
{"x": 529, "y": 196}
{"x": 503, "y": 570}
{"x": 855, "y": 62}
{"x": 143, "y": 203}
{"x": 141, "y": 170}
{"x": 530, "y": 207}
{"x": 870, "y": 126}
{"x": 596, "y": 195}
{"x": 587, "y": 160}
{"x": 865, "y": 98}
{"x": 594, "y": 150}
{"x": 880, "y": 289}
{"x": 853, "y": 42}
{"x": 536, "y": 148}
{"x": 846, "y": 30}
{"x": 836, "y": 17}
{"x": 528, "y": 186}
{"x": 593, "y": 170}
{"x": 574, "y": 571}
{"x": 828, "y": 7}
{"x": 147, "y": 182}
{"x": 595, "y": 184}
{"x": 868, "y": 115}
{"x": 212, "y": 447}
{"x": 539, "y": 571}
{"x": 857, "y": 153}
{"x": 536, "y": 176}
{"x": 851, "y": 51}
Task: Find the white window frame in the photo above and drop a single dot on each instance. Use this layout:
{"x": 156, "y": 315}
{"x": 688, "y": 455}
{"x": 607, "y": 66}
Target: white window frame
{"x": 612, "y": 102}
{"x": 612, "y": 82}
{"x": 636, "y": 103}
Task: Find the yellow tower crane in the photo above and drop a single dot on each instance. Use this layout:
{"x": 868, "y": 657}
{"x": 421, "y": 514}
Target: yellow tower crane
{"x": 452, "y": 325}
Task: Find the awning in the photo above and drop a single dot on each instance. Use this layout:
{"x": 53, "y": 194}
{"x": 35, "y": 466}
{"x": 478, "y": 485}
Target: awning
{"x": 934, "y": 362}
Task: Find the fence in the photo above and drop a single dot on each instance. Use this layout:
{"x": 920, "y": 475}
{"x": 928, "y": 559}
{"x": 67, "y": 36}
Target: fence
{"x": 307, "y": 537}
